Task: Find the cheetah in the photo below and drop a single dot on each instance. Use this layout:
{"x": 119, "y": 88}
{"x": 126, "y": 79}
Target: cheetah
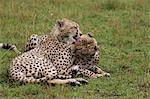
{"x": 51, "y": 60}
{"x": 34, "y": 40}
{"x": 87, "y": 57}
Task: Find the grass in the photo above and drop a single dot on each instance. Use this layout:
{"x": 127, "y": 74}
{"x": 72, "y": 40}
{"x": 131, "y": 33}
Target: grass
{"x": 121, "y": 27}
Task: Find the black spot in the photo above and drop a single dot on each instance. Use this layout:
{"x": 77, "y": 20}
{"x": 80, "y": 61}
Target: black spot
{"x": 7, "y": 46}
{"x": 90, "y": 35}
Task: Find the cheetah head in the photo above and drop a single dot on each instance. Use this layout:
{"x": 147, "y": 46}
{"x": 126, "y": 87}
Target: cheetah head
{"x": 66, "y": 31}
{"x": 87, "y": 46}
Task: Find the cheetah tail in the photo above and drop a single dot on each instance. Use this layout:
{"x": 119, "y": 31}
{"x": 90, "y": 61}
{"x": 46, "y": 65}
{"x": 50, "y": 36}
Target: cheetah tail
{"x": 9, "y": 47}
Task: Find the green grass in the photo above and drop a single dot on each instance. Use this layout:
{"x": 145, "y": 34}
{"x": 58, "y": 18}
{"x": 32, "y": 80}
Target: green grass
{"x": 121, "y": 27}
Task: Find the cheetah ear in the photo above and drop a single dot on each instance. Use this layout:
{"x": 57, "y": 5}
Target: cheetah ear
{"x": 89, "y": 34}
{"x": 60, "y": 23}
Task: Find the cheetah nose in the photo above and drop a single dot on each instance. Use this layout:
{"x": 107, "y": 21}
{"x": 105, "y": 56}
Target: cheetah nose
{"x": 77, "y": 38}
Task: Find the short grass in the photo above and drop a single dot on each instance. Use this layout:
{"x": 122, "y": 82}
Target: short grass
{"x": 121, "y": 27}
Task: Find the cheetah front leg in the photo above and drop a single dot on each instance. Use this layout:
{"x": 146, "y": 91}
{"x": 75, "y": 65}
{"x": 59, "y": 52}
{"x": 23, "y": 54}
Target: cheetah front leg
{"x": 89, "y": 73}
{"x": 64, "y": 81}
{"x": 100, "y": 71}
{"x": 75, "y": 70}
{"x": 72, "y": 81}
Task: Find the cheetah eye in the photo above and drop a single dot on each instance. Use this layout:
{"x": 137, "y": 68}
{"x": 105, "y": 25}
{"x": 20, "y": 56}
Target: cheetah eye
{"x": 80, "y": 34}
{"x": 81, "y": 43}
{"x": 89, "y": 46}
{"x": 75, "y": 27}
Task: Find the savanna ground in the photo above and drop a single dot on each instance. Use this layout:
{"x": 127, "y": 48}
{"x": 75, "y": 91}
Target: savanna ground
{"x": 121, "y": 27}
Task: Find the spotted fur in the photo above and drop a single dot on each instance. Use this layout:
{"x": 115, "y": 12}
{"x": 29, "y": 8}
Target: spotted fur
{"x": 87, "y": 56}
{"x": 69, "y": 26}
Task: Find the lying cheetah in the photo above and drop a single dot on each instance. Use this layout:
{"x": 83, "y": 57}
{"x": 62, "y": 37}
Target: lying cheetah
{"x": 51, "y": 60}
{"x": 87, "y": 57}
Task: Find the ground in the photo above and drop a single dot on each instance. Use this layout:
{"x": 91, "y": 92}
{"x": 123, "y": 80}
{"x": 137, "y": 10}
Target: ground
{"x": 121, "y": 27}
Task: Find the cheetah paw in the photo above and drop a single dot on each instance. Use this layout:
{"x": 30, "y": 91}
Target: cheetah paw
{"x": 99, "y": 75}
{"x": 106, "y": 74}
{"x": 74, "y": 82}
{"x": 82, "y": 81}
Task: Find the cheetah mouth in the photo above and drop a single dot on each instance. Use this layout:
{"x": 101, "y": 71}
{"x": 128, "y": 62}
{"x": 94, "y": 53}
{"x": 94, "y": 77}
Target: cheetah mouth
{"x": 77, "y": 41}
